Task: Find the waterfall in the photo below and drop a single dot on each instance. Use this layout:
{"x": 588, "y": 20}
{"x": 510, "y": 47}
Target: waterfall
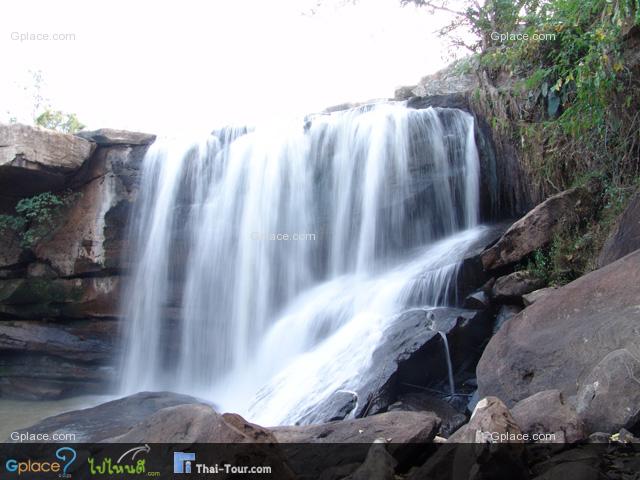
{"x": 445, "y": 342}
{"x": 269, "y": 261}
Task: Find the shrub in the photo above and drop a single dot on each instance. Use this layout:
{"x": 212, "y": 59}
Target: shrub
{"x": 37, "y": 216}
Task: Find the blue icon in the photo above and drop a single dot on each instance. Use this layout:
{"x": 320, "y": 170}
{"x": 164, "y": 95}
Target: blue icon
{"x": 182, "y": 462}
{"x": 67, "y": 455}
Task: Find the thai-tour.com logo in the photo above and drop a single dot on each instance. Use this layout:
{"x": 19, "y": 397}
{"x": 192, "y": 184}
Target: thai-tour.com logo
{"x": 183, "y": 462}
{"x": 64, "y": 458}
{"x": 131, "y": 462}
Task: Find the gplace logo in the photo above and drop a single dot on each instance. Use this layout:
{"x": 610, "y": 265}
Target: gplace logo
{"x": 182, "y": 462}
{"x": 66, "y": 455}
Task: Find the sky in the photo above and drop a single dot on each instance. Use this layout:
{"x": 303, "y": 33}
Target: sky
{"x": 172, "y": 67}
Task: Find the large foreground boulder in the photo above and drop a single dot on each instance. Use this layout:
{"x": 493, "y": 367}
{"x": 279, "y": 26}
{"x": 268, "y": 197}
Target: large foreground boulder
{"x": 194, "y": 423}
{"x": 558, "y": 341}
{"x": 625, "y": 236}
{"x": 609, "y": 396}
{"x": 111, "y": 419}
{"x": 379, "y": 465}
{"x": 491, "y": 422}
{"x": 488, "y": 447}
{"x": 549, "y": 413}
{"x": 396, "y": 427}
{"x": 406, "y": 432}
{"x": 538, "y": 227}
{"x": 34, "y": 159}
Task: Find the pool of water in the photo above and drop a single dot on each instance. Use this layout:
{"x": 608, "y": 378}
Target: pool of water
{"x": 18, "y": 414}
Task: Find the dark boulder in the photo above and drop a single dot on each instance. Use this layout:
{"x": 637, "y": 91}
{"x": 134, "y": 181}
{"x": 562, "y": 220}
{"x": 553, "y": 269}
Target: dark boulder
{"x": 379, "y": 465}
{"x": 450, "y": 418}
{"x": 609, "y": 396}
{"x": 548, "y": 412}
{"x": 489, "y": 420}
{"x": 515, "y": 285}
{"x": 538, "y": 227}
{"x": 487, "y": 447}
{"x": 580, "y": 462}
{"x": 558, "y": 341}
{"x": 625, "y": 236}
{"x": 407, "y": 432}
{"x": 413, "y": 354}
{"x": 337, "y": 407}
{"x": 478, "y": 300}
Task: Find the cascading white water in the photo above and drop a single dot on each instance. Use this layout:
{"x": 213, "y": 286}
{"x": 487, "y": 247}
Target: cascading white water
{"x": 269, "y": 262}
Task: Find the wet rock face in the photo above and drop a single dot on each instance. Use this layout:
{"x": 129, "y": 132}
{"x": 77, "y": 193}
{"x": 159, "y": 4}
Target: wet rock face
{"x": 557, "y": 341}
{"x": 413, "y": 354}
{"x": 337, "y": 407}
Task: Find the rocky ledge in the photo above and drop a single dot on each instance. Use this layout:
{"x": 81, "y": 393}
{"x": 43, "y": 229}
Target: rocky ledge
{"x": 59, "y": 295}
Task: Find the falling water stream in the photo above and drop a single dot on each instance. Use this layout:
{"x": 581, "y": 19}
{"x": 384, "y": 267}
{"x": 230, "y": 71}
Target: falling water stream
{"x": 270, "y": 261}
{"x": 447, "y": 353}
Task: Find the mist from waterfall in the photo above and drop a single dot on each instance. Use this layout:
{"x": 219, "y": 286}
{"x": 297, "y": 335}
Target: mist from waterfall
{"x": 269, "y": 261}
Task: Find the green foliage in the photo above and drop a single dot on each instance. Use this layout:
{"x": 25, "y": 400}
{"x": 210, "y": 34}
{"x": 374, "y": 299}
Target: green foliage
{"x": 572, "y": 101}
{"x": 560, "y": 93}
{"x": 37, "y": 216}
{"x": 478, "y": 18}
{"x": 60, "y": 121}
{"x": 574, "y": 251}
{"x": 539, "y": 265}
